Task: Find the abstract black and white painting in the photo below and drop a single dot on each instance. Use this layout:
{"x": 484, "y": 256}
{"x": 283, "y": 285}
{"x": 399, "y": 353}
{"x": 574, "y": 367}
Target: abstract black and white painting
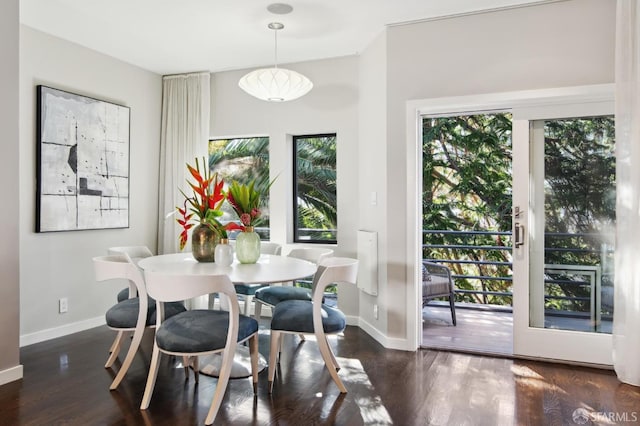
{"x": 83, "y": 162}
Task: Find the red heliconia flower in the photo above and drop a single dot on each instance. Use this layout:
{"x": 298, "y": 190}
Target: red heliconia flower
{"x": 200, "y": 189}
{"x": 217, "y": 197}
{"x": 184, "y": 222}
{"x": 255, "y": 213}
{"x": 232, "y": 226}
{"x": 195, "y": 173}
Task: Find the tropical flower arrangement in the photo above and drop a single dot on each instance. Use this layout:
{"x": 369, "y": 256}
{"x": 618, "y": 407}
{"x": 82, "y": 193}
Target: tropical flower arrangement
{"x": 245, "y": 201}
{"x": 204, "y": 203}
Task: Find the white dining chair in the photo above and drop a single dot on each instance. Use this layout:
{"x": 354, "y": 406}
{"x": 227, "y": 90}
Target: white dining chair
{"x": 272, "y": 295}
{"x": 134, "y": 254}
{"x": 131, "y": 315}
{"x": 201, "y": 331}
{"x": 313, "y": 317}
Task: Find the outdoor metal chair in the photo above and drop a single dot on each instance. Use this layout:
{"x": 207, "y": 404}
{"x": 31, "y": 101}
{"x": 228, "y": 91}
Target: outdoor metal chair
{"x": 436, "y": 283}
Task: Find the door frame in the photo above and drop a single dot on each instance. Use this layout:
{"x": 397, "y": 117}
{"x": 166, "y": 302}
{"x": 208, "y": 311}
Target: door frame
{"x": 521, "y": 101}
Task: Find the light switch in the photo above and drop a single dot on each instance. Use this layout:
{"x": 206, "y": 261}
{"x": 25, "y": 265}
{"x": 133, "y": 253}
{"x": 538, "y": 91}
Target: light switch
{"x": 374, "y": 198}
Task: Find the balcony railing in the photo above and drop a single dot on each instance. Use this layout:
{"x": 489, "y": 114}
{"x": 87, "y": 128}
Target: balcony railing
{"x": 483, "y": 273}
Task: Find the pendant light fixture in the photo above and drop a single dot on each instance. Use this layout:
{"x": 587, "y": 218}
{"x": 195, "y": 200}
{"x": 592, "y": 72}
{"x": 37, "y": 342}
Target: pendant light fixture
{"x": 275, "y": 84}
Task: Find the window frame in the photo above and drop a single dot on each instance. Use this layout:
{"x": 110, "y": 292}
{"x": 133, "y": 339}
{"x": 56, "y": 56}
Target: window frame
{"x": 295, "y": 230}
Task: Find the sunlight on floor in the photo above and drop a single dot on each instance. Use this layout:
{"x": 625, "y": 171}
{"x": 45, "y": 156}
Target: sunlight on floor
{"x": 371, "y": 407}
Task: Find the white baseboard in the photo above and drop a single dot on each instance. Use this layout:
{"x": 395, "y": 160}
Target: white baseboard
{"x": 52, "y": 333}
{"x": 373, "y": 332}
{"x": 11, "y": 374}
{"x": 353, "y": 320}
{"x": 384, "y": 340}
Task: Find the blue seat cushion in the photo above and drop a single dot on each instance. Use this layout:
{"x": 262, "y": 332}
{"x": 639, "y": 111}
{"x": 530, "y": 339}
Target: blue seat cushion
{"x": 297, "y": 316}
{"x": 123, "y": 294}
{"x": 200, "y": 330}
{"x": 125, "y": 313}
{"x": 248, "y": 289}
{"x": 275, "y": 295}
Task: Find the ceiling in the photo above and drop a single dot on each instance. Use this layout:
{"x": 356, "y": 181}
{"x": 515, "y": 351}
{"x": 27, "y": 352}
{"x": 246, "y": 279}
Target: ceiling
{"x": 175, "y": 36}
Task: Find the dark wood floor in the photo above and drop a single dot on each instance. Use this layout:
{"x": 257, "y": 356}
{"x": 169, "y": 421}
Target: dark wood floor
{"x": 65, "y": 383}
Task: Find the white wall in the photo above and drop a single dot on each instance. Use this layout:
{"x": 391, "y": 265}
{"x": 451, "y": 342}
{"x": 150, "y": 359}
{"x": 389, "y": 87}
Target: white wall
{"x": 9, "y": 243}
{"x": 55, "y": 265}
{"x": 372, "y": 124}
{"x": 331, "y": 106}
{"x": 553, "y": 45}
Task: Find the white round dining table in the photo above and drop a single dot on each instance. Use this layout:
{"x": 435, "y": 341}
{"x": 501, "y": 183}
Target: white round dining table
{"x": 269, "y": 269}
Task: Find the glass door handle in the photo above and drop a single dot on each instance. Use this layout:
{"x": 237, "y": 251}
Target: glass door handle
{"x": 518, "y": 231}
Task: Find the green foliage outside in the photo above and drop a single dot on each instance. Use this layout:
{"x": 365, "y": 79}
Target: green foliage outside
{"x": 580, "y": 199}
{"x": 467, "y": 187}
{"x": 317, "y": 216}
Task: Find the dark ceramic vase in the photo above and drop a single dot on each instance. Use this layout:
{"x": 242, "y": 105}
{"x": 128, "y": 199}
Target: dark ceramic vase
{"x": 203, "y": 243}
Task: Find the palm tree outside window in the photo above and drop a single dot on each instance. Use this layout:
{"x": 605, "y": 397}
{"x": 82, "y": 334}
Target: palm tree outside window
{"x": 315, "y": 201}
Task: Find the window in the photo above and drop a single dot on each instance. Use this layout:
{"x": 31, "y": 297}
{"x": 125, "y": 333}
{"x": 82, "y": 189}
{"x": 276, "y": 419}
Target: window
{"x": 314, "y": 188}
{"x": 243, "y": 159}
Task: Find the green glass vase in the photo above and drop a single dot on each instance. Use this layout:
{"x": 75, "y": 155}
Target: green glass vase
{"x": 248, "y": 246}
{"x": 203, "y": 243}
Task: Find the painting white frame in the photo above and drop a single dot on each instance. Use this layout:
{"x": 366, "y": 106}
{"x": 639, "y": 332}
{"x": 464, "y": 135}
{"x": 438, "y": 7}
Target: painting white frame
{"x": 82, "y": 162}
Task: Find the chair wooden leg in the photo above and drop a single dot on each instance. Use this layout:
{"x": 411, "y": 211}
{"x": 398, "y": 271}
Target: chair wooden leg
{"x": 253, "y": 352}
{"x": 115, "y": 343}
{"x": 151, "y": 379}
{"x": 247, "y": 305}
{"x": 273, "y": 352}
{"x": 196, "y": 368}
{"x": 323, "y": 345}
{"x": 185, "y": 364}
{"x": 333, "y": 356}
{"x": 257, "y": 311}
{"x": 115, "y": 349}
{"x": 131, "y": 353}
{"x": 223, "y": 381}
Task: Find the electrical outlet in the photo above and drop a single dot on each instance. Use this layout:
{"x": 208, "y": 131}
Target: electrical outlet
{"x": 63, "y": 305}
{"x": 375, "y": 311}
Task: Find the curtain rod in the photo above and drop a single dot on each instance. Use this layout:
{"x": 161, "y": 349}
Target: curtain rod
{"x": 191, "y": 74}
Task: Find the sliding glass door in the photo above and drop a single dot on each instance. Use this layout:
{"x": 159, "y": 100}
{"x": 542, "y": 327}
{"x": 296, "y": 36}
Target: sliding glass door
{"x": 563, "y": 228}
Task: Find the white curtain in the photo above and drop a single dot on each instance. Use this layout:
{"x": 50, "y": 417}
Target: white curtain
{"x": 184, "y": 137}
{"x": 626, "y": 318}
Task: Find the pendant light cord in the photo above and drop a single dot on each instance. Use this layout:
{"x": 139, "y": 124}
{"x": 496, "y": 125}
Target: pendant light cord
{"x": 275, "y": 33}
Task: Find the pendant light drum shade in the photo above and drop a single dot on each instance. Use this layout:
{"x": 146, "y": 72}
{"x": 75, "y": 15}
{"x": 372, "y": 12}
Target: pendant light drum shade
{"x": 275, "y": 84}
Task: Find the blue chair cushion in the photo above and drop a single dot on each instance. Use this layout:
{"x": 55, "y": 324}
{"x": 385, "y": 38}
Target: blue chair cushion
{"x": 275, "y": 295}
{"x": 200, "y": 330}
{"x": 297, "y": 316}
{"x": 248, "y": 289}
{"x": 123, "y": 294}
{"x": 125, "y": 313}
